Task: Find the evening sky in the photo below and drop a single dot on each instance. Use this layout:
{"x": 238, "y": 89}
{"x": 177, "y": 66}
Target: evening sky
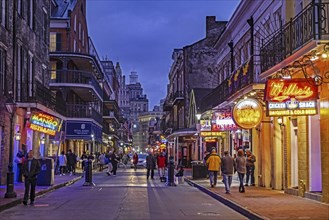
{"x": 142, "y": 34}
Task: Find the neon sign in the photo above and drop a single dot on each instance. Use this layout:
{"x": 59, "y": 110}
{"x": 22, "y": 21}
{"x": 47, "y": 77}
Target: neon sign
{"x": 291, "y": 97}
{"x": 222, "y": 121}
{"x": 45, "y": 123}
{"x": 247, "y": 113}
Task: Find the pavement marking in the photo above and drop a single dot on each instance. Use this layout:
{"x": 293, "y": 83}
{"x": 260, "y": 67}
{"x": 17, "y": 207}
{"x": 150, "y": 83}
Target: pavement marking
{"x": 143, "y": 185}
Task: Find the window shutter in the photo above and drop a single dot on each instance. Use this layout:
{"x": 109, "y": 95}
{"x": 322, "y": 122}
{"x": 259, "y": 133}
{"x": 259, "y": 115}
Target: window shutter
{"x": 58, "y": 42}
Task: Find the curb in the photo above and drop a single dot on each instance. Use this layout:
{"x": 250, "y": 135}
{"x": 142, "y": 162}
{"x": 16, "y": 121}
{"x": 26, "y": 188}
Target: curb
{"x": 38, "y": 194}
{"x": 236, "y": 207}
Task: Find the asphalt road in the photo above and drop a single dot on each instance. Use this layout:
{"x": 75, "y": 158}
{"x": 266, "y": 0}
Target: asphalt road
{"x": 125, "y": 196}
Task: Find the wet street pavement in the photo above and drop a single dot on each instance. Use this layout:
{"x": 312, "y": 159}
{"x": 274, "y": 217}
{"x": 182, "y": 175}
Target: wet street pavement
{"x": 125, "y": 196}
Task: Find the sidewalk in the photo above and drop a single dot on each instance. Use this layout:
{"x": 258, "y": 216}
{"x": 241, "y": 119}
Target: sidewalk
{"x": 59, "y": 181}
{"x": 262, "y": 203}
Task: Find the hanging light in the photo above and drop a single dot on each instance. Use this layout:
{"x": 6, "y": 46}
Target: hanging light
{"x": 43, "y": 140}
{"x": 18, "y": 136}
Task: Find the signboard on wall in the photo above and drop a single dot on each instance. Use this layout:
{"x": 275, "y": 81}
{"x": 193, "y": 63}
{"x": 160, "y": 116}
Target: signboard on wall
{"x": 205, "y": 125}
{"x": 45, "y": 123}
{"x": 248, "y": 113}
{"x": 291, "y": 97}
{"x": 82, "y": 130}
{"x": 222, "y": 121}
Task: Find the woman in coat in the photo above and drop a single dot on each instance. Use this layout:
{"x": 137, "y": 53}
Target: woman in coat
{"x": 241, "y": 168}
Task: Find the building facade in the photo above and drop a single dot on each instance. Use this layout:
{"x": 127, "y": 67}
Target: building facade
{"x": 24, "y": 63}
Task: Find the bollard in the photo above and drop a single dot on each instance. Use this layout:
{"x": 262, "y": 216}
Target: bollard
{"x": 170, "y": 179}
{"x": 89, "y": 173}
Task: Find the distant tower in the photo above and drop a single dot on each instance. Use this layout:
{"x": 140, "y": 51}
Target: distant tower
{"x": 133, "y": 77}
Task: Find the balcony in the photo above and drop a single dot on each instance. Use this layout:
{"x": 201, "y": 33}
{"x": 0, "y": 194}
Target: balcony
{"x": 177, "y": 97}
{"x": 310, "y": 24}
{"x": 216, "y": 97}
{"x": 167, "y": 105}
{"x": 83, "y": 111}
{"x": 79, "y": 81}
{"x": 110, "y": 116}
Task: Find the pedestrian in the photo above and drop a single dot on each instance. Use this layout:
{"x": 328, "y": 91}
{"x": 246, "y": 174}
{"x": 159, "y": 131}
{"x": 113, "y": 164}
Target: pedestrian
{"x": 241, "y": 168}
{"x": 62, "y": 163}
{"x": 150, "y": 165}
{"x": 250, "y": 165}
{"x": 213, "y": 163}
{"x": 135, "y": 160}
{"x": 109, "y": 165}
{"x": 19, "y": 160}
{"x": 30, "y": 168}
{"x": 161, "y": 162}
{"x": 125, "y": 161}
{"x": 84, "y": 159}
{"x": 227, "y": 167}
{"x": 115, "y": 159}
{"x": 71, "y": 161}
{"x": 101, "y": 159}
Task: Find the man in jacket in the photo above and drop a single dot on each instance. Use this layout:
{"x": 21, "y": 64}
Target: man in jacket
{"x": 213, "y": 162}
{"x": 71, "y": 161}
{"x": 150, "y": 165}
{"x": 161, "y": 162}
{"x": 31, "y": 168}
{"x": 227, "y": 168}
{"x": 250, "y": 165}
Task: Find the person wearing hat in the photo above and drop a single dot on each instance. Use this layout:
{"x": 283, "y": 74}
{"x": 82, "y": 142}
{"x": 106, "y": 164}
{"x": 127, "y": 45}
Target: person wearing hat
{"x": 213, "y": 163}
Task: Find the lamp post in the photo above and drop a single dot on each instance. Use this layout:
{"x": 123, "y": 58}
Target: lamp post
{"x": 10, "y": 193}
{"x": 198, "y": 127}
{"x": 92, "y": 143}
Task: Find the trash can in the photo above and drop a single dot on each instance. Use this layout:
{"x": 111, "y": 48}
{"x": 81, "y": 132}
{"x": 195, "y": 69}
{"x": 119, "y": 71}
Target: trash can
{"x": 46, "y": 175}
{"x": 199, "y": 171}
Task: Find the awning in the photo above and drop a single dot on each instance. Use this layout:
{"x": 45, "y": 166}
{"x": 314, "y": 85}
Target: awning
{"x": 183, "y": 132}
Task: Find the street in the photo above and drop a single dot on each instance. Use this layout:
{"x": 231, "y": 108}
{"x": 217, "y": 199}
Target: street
{"x": 125, "y": 196}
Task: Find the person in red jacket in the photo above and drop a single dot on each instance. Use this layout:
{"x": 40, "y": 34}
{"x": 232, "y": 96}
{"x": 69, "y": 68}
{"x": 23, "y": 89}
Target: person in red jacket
{"x": 135, "y": 160}
{"x": 161, "y": 162}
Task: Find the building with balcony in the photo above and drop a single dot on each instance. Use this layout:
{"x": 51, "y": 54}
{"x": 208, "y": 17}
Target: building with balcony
{"x": 276, "y": 43}
{"x": 189, "y": 70}
{"x": 76, "y": 76}
{"x": 24, "y": 80}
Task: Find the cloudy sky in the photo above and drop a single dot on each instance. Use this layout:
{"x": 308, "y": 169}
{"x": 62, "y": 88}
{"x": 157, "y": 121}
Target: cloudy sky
{"x": 142, "y": 34}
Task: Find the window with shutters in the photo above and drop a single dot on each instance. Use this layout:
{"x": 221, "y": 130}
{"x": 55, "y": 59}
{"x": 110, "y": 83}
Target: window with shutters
{"x": 19, "y": 71}
{"x": 75, "y": 23}
{"x": 30, "y": 74}
{"x": 45, "y": 26}
{"x": 2, "y": 71}
{"x": 79, "y": 31}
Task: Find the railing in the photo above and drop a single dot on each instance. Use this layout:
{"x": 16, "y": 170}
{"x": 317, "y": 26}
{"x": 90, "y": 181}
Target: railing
{"x": 217, "y": 96}
{"x": 111, "y": 114}
{"x": 83, "y": 111}
{"x": 178, "y": 95}
{"x": 310, "y": 24}
{"x": 76, "y": 77}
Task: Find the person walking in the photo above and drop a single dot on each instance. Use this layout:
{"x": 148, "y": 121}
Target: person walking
{"x": 109, "y": 165}
{"x": 161, "y": 162}
{"x": 250, "y": 165}
{"x": 150, "y": 165}
{"x": 101, "y": 160}
{"x": 114, "y": 160}
{"x": 135, "y": 160}
{"x": 241, "y": 168}
{"x": 227, "y": 167}
{"x": 19, "y": 160}
{"x": 213, "y": 163}
{"x": 71, "y": 161}
{"x": 30, "y": 169}
{"x": 62, "y": 163}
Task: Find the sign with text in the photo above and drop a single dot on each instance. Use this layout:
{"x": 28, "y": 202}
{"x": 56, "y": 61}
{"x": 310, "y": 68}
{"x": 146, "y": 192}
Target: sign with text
{"x": 205, "y": 125}
{"x": 45, "y": 123}
{"x": 211, "y": 134}
{"x": 291, "y": 97}
{"x": 222, "y": 121}
{"x": 248, "y": 113}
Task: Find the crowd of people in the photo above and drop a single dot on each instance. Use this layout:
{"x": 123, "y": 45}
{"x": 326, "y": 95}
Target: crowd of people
{"x": 242, "y": 164}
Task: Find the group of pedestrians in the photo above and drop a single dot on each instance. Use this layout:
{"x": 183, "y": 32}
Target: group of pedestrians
{"x": 243, "y": 164}
{"x": 66, "y": 163}
{"x": 156, "y": 161}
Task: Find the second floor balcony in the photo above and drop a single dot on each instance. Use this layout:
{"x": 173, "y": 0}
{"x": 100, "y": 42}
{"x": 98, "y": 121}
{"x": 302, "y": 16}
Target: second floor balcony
{"x": 178, "y": 96}
{"x": 311, "y": 24}
{"x": 83, "y": 111}
{"x": 75, "y": 79}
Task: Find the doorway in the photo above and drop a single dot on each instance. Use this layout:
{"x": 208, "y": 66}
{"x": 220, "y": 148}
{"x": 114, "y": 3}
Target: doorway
{"x": 294, "y": 153}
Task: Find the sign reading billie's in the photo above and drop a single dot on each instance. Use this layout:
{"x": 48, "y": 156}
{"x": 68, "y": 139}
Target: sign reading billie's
{"x": 45, "y": 123}
{"x": 289, "y": 97}
{"x": 247, "y": 113}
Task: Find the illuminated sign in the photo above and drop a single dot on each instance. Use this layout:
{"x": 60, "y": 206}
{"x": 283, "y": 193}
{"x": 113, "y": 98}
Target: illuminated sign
{"x": 222, "y": 122}
{"x": 291, "y": 97}
{"x": 205, "y": 125}
{"x": 45, "y": 123}
{"x": 247, "y": 113}
{"x": 211, "y": 134}
{"x": 282, "y": 90}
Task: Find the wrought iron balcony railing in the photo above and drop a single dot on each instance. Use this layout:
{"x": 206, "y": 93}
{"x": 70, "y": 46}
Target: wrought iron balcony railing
{"x": 83, "y": 111}
{"x": 178, "y": 95}
{"x": 75, "y": 77}
{"x": 310, "y": 24}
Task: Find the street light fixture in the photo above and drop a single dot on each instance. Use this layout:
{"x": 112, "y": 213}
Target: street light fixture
{"x": 18, "y": 136}
{"x": 10, "y": 193}
{"x": 43, "y": 140}
{"x": 198, "y": 126}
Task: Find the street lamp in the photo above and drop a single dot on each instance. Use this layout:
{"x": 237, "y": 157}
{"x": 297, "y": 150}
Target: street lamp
{"x": 93, "y": 142}
{"x": 198, "y": 126}
{"x": 10, "y": 193}
{"x": 18, "y": 136}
